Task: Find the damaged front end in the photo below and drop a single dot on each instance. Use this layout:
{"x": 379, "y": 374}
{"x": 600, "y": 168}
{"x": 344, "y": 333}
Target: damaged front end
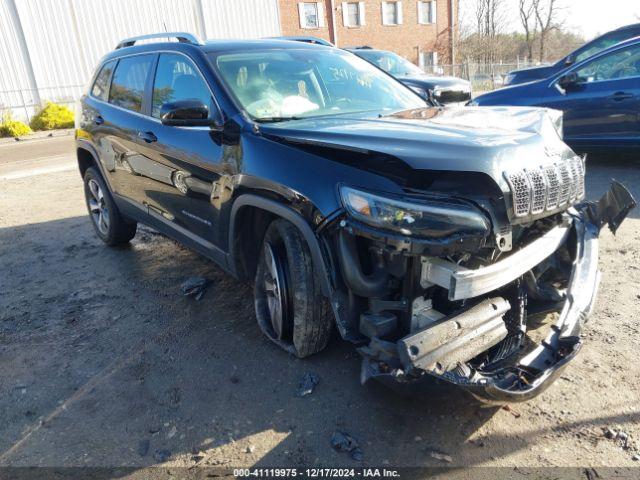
{"x": 440, "y": 288}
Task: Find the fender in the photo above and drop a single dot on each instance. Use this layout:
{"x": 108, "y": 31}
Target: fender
{"x": 88, "y": 146}
{"x": 290, "y": 215}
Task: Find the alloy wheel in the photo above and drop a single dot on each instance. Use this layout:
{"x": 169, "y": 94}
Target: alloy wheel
{"x": 276, "y": 289}
{"x": 98, "y": 207}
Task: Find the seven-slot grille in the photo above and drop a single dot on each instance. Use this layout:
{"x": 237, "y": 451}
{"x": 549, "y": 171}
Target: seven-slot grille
{"x": 546, "y": 189}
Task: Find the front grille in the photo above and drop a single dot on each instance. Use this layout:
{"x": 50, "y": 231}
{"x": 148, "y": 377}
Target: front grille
{"x": 549, "y": 188}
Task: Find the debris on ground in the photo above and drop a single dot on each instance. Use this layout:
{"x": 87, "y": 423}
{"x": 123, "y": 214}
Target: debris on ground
{"x": 624, "y": 439}
{"x": 307, "y": 384}
{"x": 343, "y": 442}
{"x": 250, "y": 449}
{"x": 194, "y": 287}
{"x": 161, "y": 455}
{"x": 172, "y": 432}
{"x": 610, "y": 433}
{"x": 441, "y": 456}
{"x": 636, "y": 458}
{"x": 508, "y": 408}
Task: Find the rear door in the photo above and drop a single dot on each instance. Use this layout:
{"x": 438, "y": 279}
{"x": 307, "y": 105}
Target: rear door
{"x": 603, "y": 108}
{"x": 120, "y": 121}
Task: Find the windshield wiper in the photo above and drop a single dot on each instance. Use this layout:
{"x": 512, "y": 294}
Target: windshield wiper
{"x": 276, "y": 119}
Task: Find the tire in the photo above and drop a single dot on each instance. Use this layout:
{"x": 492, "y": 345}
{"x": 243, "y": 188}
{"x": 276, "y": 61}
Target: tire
{"x": 285, "y": 282}
{"x": 112, "y": 228}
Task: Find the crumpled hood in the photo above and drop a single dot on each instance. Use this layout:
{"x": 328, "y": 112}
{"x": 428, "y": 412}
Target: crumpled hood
{"x": 474, "y": 139}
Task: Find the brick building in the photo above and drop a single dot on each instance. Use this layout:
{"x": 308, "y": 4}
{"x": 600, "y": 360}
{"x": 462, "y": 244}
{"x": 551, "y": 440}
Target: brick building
{"x": 419, "y": 30}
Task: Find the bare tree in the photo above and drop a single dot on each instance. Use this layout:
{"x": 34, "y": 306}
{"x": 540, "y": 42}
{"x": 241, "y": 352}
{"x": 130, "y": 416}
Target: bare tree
{"x": 547, "y": 14}
{"x": 526, "y": 11}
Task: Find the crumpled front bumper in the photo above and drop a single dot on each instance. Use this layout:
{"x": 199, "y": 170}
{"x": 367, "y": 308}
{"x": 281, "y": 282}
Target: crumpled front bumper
{"x": 537, "y": 369}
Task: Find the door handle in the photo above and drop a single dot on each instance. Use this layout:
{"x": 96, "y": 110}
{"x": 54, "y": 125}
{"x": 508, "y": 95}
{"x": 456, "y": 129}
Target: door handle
{"x": 98, "y": 120}
{"x": 148, "y": 137}
{"x": 621, "y": 96}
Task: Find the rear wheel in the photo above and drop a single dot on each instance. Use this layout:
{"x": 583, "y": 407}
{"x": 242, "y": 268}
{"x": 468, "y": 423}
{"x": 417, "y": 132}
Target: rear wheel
{"x": 109, "y": 224}
{"x": 290, "y": 307}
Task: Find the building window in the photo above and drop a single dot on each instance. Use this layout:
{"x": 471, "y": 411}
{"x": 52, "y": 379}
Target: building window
{"x": 311, "y": 14}
{"x": 392, "y": 13}
{"x": 429, "y": 62}
{"x": 353, "y": 14}
{"x": 426, "y": 12}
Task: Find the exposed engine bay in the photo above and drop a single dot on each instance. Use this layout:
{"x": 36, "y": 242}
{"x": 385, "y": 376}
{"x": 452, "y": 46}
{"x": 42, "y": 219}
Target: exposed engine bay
{"x": 468, "y": 313}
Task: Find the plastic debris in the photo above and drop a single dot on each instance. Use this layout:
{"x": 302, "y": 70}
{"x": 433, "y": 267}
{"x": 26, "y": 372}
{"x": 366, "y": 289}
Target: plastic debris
{"x": 441, "y": 456}
{"x": 195, "y": 287}
{"x": 307, "y": 384}
{"x": 343, "y": 442}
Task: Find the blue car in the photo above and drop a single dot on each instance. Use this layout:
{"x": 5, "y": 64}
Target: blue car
{"x": 588, "y": 50}
{"x": 600, "y": 98}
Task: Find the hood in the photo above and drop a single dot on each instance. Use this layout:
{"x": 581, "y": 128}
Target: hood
{"x": 529, "y": 74}
{"x": 428, "y": 81}
{"x": 489, "y": 140}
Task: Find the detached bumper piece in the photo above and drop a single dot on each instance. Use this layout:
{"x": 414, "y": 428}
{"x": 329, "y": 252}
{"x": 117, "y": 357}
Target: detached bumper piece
{"x": 442, "y": 347}
{"x": 449, "y": 348}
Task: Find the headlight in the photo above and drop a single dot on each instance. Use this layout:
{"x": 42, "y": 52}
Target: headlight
{"x": 432, "y": 218}
{"x": 509, "y": 78}
{"x": 472, "y": 103}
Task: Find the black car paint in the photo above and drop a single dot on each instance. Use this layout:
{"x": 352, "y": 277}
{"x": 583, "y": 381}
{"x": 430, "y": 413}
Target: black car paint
{"x": 196, "y": 183}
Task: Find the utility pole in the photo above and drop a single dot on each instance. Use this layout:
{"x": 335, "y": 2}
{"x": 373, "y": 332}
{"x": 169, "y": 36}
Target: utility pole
{"x": 24, "y": 49}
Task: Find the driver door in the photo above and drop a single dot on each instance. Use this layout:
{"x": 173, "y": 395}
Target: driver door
{"x": 601, "y": 108}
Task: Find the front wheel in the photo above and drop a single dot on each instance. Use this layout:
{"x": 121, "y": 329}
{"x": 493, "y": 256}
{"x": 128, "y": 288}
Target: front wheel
{"x": 110, "y": 225}
{"x": 290, "y": 308}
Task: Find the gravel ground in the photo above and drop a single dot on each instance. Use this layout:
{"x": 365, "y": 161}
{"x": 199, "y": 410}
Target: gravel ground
{"x": 104, "y": 363}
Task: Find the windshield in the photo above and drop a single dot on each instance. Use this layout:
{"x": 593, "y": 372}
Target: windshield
{"x": 274, "y": 85}
{"x": 391, "y": 63}
{"x": 602, "y": 43}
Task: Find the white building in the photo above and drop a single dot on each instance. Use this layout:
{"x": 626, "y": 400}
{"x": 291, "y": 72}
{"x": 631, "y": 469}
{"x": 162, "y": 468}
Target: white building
{"x": 49, "y": 48}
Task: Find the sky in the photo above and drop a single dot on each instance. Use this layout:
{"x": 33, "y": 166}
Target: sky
{"x": 592, "y": 17}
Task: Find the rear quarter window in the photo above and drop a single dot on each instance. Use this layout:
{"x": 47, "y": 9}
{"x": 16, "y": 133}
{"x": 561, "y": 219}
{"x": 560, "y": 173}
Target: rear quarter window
{"x": 100, "y": 88}
{"x": 129, "y": 81}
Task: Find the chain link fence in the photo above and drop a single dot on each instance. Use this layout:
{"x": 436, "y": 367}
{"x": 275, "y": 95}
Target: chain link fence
{"x": 483, "y": 76}
{"x": 25, "y": 103}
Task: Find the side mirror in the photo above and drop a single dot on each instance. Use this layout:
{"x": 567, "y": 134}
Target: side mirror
{"x": 569, "y": 60}
{"x": 569, "y": 80}
{"x": 185, "y": 113}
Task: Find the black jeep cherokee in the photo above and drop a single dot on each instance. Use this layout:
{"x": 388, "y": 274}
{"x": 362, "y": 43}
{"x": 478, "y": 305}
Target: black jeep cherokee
{"x": 436, "y": 240}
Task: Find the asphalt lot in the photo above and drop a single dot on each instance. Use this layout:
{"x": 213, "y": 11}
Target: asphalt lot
{"x": 104, "y": 363}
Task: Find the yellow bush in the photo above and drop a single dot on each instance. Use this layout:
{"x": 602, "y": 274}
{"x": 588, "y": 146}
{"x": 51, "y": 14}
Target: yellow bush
{"x": 13, "y": 128}
{"x": 53, "y": 116}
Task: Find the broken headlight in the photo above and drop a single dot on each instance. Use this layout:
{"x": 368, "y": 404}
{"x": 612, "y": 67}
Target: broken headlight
{"x": 428, "y": 218}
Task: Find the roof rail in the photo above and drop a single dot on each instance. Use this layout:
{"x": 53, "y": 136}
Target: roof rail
{"x": 183, "y": 37}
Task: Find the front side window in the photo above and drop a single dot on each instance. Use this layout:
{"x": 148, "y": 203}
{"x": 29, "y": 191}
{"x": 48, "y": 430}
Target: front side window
{"x": 392, "y": 13}
{"x": 100, "y": 88}
{"x": 614, "y": 66}
{"x": 177, "y": 79}
{"x": 276, "y": 85}
{"x": 129, "y": 80}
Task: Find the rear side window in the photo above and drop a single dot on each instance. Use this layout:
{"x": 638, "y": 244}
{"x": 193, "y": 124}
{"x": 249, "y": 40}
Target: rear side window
{"x": 178, "y": 79}
{"x": 100, "y": 87}
{"x": 129, "y": 80}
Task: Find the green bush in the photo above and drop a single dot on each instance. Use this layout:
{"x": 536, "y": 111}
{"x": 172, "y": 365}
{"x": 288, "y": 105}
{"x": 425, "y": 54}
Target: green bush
{"x": 13, "y": 128}
{"x": 53, "y": 116}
